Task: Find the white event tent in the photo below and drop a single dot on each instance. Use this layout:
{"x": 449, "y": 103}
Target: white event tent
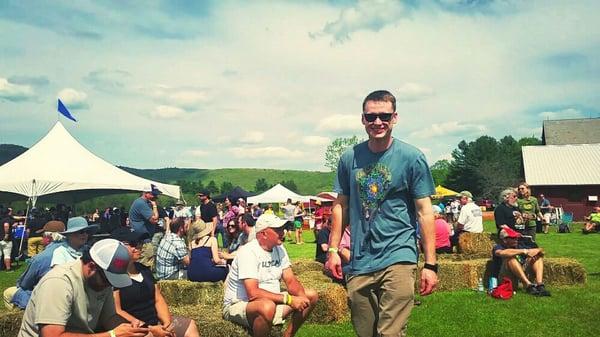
{"x": 278, "y": 194}
{"x": 59, "y": 169}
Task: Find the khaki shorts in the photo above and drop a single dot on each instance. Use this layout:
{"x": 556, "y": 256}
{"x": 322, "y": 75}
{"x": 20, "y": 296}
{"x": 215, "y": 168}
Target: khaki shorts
{"x": 236, "y": 313}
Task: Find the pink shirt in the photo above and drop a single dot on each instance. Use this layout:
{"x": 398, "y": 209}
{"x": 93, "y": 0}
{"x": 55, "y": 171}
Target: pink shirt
{"x": 442, "y": 233}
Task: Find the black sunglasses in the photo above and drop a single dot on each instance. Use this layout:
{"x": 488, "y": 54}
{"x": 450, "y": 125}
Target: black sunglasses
{"x": 383, "y": 116}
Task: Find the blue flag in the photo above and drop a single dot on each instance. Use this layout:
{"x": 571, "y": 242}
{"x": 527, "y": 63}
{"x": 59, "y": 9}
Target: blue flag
{"x": 63, "y": 110}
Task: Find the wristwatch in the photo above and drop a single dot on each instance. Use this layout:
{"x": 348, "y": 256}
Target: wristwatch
{"x": 432, "y": 267}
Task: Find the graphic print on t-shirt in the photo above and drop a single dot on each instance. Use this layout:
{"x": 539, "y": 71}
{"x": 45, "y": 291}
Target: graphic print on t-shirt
{"x": 373, "y": 183}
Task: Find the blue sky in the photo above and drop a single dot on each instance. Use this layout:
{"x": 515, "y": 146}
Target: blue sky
{"x": 269, "y": 84}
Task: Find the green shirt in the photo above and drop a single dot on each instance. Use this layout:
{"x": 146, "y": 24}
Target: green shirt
{"x": 62, "y": 298}
{"x": 530, "y": 207}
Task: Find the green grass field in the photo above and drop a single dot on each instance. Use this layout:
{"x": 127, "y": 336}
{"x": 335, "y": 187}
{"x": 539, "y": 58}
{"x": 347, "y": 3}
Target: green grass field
{"x": 571, "y": 311}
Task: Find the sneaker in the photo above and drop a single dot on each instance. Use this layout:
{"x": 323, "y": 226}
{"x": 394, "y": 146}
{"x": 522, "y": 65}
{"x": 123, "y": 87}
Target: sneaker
{"x": 532, "y": 290}
{"x": 542, "y": 290}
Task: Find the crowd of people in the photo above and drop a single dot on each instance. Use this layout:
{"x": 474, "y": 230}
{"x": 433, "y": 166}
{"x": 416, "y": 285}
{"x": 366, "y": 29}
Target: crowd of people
{"x": 99, "y": 273}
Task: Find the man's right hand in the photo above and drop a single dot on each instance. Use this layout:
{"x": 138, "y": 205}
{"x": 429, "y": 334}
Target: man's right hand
{"x": 160, "y": 331}
{"x": 126, "y": 330}
{"x": 335, "y": 265}
{"x": 299, "y": 303}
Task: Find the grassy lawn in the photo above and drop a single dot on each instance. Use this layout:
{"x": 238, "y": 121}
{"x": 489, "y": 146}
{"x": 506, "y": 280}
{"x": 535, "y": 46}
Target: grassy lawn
{"x": 571, "y": 311}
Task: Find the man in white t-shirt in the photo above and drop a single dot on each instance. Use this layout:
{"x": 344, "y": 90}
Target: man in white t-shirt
{"x": 289, "y": 211}
{"x": 470, "y": 218}
{"x": 253, "y": 297}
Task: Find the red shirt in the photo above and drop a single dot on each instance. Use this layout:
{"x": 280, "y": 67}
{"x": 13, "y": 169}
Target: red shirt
{"x": 442, "y": 233}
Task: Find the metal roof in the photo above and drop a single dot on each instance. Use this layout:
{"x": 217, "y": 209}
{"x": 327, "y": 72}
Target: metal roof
{"x": 577, "y": 164}
{"x": 571, "y": 131}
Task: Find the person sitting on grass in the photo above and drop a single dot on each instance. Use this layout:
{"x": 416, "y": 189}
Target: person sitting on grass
{"x": 516, "y": 259}
{"x": 592, "y": 222}
{"x": 142, "y": 300}
{"x": 253, "y": 296}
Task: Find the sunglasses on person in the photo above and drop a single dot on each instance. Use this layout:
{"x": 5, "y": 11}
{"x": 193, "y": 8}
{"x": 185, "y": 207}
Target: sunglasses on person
{"x": 383, "y": 116}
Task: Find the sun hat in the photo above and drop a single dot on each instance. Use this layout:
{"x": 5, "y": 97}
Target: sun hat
{"x": 53, "y": 226}
{"x": 268, "y": 221}
{"x": 78, "y": 224}
{"x": 112, "y": 256}
{"x": 200, "y": 229}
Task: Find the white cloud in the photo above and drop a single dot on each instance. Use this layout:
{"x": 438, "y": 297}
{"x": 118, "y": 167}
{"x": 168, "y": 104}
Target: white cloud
{"x": 73, "y": 99}
{"x": 370, "y": 15}
{"x": 252, "y": 137}
{"x": 267, "y": 152}
{"x": 561, "y": 114}
{"x": 412, "y": 92}
{"x": 15, "y": 92}
{"x": 452, "y": 128}
{"x": 340, "y": 123}
{"x": 167, "y": 112}
{"x": 182, "y": 97}
{"x": 315, "y": 140}
{"x": 196, "y": 153}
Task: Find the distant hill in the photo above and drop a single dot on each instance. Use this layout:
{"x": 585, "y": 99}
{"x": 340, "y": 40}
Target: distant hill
{"x": 10, "y": 151}
{"x": 308, "y": 182}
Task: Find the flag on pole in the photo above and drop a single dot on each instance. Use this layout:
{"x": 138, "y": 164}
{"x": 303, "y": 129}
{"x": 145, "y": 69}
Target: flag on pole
{"x": 64, "y": 111}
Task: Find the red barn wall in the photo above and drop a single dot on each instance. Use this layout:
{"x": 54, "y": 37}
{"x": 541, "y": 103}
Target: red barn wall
{"x": 571, "y": 198}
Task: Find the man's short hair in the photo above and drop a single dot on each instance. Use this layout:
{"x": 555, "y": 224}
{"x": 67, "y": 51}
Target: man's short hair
{"x": 176, "y": 224}
{"x": 380, "y": 96}
{"x": 248, "y": 219}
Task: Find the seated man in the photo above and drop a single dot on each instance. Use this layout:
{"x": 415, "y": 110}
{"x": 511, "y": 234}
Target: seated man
{"x": 172, "y": 253}
{"x": 592, "y": 222}
{"x": 38, "y": 267}
{"x": 518, "y": 260}
{"x": 253, "y": 297}
{"x": 75, "y": 299}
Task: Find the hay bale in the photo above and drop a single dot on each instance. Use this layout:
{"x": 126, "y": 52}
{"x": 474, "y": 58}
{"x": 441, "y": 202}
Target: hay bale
{"x": 184, "y": 292}
{"x": 314, "y": 279}
{"x": 563, "y": 271}
{"x": 10, "y": 322}
{"x": 300, "y": 266}
{"x": 211, "y": 323}
{"x": 332, "y": 306}
{"x": 475, "y": 244}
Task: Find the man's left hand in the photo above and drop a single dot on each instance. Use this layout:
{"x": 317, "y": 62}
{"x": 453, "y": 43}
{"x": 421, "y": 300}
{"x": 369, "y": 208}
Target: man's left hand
{"x": 429, "y": 281}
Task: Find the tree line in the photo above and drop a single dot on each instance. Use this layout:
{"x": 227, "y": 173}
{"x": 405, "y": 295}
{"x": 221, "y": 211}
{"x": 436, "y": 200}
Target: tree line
{"x": 261, "y": 185}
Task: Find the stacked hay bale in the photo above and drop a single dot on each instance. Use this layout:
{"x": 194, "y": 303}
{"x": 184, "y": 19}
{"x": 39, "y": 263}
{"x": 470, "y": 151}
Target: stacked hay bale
{"x": 10, "y": 322}
{"x": 475, "y": 245}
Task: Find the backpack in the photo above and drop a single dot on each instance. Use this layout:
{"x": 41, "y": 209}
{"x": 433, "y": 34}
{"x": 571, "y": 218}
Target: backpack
{"x": 563, "y": 228}
{"x": 504, "y": 290}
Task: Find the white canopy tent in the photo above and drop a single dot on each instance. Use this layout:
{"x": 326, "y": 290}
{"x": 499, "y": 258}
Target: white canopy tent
{"x": 58, "y": 168}
{"x": 278, "y": 194}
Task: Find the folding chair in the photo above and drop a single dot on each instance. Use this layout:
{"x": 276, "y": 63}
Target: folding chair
{"x": 565, "y": 222}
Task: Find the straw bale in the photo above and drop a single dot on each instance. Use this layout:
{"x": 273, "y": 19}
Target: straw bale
{"x": 10, "y": 322}
{"x": 332, "y": 306}
{"x": 564, "y": 271}
{"x": 211, "y": 323}
{"x": 313, "y": 279}
{"x": 475, "y": 244}
{"x": 184, "y": 292}
{"x": 300, "y": 266}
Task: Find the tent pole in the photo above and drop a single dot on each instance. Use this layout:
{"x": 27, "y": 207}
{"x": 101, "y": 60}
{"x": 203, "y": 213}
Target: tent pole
{"x": 24, "y": 229}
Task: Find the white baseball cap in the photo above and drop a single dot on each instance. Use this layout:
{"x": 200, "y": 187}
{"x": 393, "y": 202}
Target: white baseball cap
{"x": 112, "y": 256}
{"x": 268, "y": 221}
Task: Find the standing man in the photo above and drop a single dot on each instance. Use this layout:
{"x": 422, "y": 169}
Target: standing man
{"x": 208, "y": 211}
{"x": 546, "y": 209}
{"x": 383, "y": 188}
{"x": 76, "y": 298}
{"x": 143, "y": 217}
{"x": 289, "y": 211}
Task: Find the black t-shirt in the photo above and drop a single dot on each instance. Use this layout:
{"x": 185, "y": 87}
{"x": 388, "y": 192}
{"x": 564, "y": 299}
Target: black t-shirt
{"x": 505, "y": 215}
{"x": 322, "y": 238}
{"x": 10, "y": 222}
{"x": 36, "y": 224}
{"x": 208, "y": 211}
{"x": 139, "y": 298}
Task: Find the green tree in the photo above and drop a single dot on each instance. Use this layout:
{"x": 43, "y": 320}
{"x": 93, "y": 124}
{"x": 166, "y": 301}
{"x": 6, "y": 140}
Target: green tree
{"x": 290, "y": 184}
{"x": 261, "y": 185}
{"x": 226, "y": 187}
{"x": 439, "y": 171}
{"x": 212, "y": 187}
{"x": 336, "y": 148}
